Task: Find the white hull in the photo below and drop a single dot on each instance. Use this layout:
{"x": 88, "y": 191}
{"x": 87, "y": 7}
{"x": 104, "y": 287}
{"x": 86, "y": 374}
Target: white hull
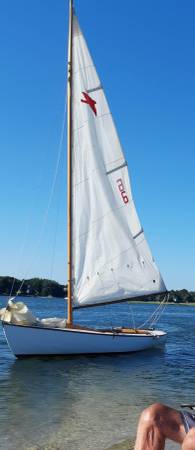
{"x": 29, "y": 341}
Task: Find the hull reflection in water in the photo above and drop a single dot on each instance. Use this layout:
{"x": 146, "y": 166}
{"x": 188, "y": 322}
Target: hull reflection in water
{"x": 26, "y": 341}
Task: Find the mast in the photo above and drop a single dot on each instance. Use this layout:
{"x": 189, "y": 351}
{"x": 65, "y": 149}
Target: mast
{"x": 69, "y": 164}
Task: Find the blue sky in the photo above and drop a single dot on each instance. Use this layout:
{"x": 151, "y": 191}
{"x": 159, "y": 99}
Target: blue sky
{"x": 144, "y": 53}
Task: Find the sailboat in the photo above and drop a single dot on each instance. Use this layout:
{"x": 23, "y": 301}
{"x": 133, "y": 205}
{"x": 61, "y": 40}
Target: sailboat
{"x": 109, "y": 259}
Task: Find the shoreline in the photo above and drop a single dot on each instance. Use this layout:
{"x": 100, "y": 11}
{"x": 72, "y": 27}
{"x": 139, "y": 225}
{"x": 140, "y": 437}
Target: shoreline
{"x": 158, "y": 303}
{"x": 133, "y": 302}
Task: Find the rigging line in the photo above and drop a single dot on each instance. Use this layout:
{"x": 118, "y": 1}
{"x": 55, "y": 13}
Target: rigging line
{"x": 157, "y": 313}
{"x": 12, "y": 287}
{"x": 157, "y": 317}
{"x": 132, "y": 316}
{"x": 55, "y": 237}
{"x": 21, "y": 252}
{"x": 150, "y": 319}
{"x": 44, "y": 222}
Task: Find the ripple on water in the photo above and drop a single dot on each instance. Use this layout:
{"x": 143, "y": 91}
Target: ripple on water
{"x": 89, "y": 403}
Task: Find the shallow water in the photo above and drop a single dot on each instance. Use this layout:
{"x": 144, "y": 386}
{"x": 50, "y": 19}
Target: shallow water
{"x": 84, "y": 403}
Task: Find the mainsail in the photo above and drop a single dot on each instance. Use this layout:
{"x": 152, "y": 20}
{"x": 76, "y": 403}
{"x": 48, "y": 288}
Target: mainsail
{"x": 111, "y": 257}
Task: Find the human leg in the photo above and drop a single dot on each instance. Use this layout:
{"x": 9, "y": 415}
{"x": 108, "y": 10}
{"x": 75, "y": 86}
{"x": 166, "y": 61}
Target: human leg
{"x": 189, "y": 440}
{"x": 158, "y": 423}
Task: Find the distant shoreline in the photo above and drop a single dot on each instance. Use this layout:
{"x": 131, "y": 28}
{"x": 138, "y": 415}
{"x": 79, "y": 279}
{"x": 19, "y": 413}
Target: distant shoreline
{"x": 42, "y": 287}
{"x": 158, "y": 303}
{"x": 133, "y": 302}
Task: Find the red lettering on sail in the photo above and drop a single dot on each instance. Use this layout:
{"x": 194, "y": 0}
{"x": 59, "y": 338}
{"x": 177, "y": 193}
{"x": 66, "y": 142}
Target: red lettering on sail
{"x": 122, "y": 190}
{"x": 90, "y": 102}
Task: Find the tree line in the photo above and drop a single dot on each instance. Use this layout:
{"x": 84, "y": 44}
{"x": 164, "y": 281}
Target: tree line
{"x": 180, "y": 296}
{"x": 33, "y": 287}
{"x": 48, "y": 288}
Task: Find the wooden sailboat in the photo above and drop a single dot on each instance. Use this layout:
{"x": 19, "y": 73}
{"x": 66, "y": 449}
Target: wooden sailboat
{"x": 109, "y": 259}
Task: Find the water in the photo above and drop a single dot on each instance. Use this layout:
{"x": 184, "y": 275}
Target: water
{"x": 88, "y": 403}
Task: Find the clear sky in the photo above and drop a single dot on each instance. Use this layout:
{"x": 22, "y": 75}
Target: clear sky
{"x": 144, "y": 54}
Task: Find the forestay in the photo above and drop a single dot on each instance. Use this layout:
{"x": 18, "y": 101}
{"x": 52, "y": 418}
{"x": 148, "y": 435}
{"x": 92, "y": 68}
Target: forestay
{"x": 111, "y": 258}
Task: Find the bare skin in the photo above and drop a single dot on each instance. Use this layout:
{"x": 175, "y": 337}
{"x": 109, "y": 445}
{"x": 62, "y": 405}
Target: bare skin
{"x": 158, "y": 423}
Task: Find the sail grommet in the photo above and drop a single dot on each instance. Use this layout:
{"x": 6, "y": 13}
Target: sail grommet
{"x": 100, "y": 229}
{"x": 103, "y": 232}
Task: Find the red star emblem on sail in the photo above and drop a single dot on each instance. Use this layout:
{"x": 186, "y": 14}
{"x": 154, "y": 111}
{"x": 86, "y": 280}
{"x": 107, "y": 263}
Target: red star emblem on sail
{"x": 89, "y": 102}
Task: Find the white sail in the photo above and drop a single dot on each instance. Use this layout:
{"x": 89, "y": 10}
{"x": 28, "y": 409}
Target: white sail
{"x": 111, "y": 257}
